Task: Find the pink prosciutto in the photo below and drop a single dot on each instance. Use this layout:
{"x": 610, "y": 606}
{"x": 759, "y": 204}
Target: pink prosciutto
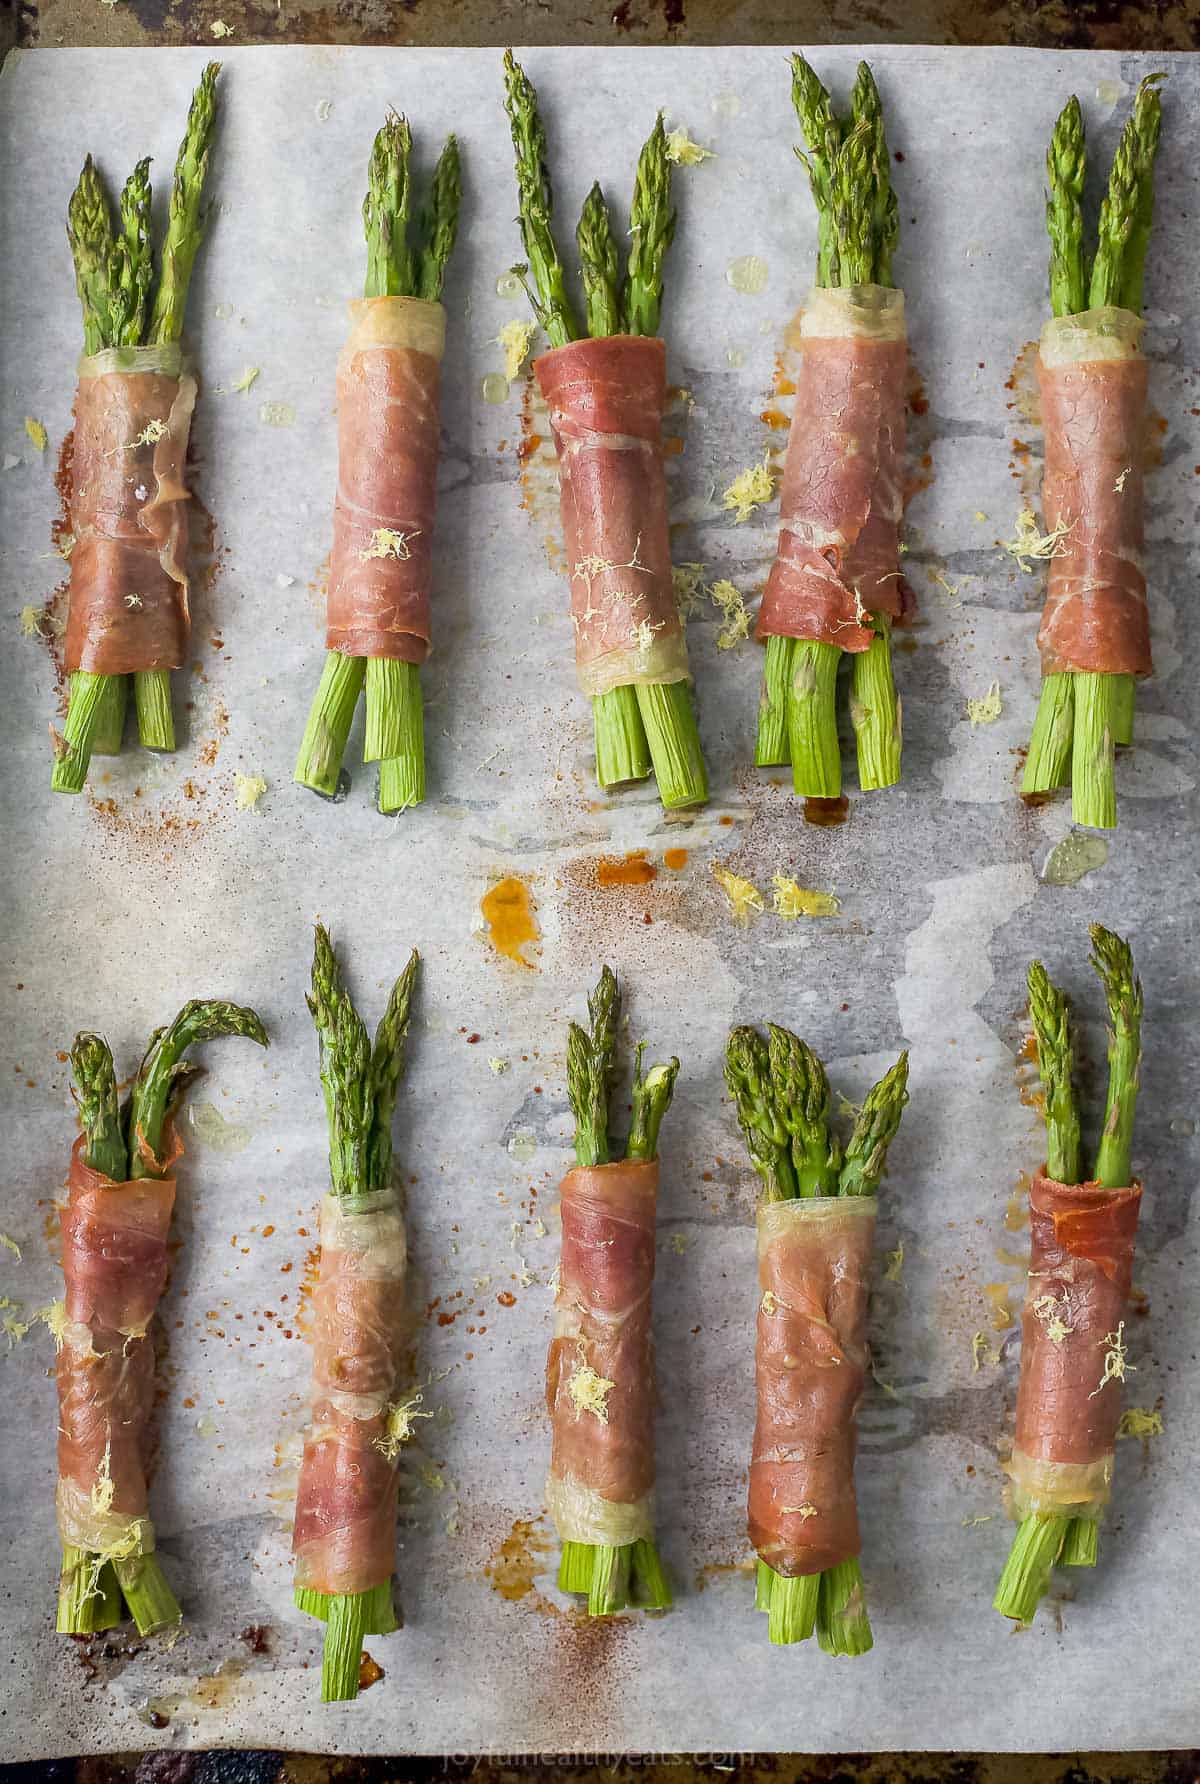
{"x": 606, "y": 401}
{"x": 129, "y": 514}
{"x": 837, "y": 560}
{"x": 814, "y": 1260}
{"x": 381, "y": 568}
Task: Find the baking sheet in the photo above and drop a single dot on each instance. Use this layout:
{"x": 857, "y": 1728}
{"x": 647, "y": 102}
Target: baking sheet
{"x": 155, "y": 887}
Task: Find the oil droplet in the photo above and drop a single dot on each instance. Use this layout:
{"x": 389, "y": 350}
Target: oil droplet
{"x": 826, "y": 813}
{"x": 508, "y": 285}
{"x": 1108, "y": 92}
{"x": 1182, "y": 1128}
{"x": 369, "y": 1671}
{"x": 213, "y": 1129}
{"x": 748, "y": 274}
{"x": 508, "y": 912}
{"x": 494, "y": 388}
{"x": 206, "y": 1425}
{"x": 634, "y": 870}
{"x": 523, "y": 1146}
{"x": 734, "y": 356}
{"x": 675, "y": 859}
{"x": 997, "y": 1294}
{"x": 726, "y": 105}
{"x": 1076, "y": 855}
{"x": 276, "y": 414}
{"x": 223, "y": 312}
{"x": 516, "y": 1564}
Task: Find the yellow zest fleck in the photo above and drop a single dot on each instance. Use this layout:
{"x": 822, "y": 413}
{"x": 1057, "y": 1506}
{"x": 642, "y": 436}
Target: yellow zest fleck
{"x": 132, "y": 601}
{"x": 987, "y": 709}
{"x": 398, "y": 1426}
{"x": 734, "y": 616}
{"x": 220, "y": 29}
{"x": 679, "y": 1243}
{"x": 688, "y": 582}
{"x": 590, "y": 1392}
{"x": 1116, "y": 1361}
{"x": 750, "y": 489}
{"x": 499, "y": 1066}
{"x": 250, "y": 789}
{"x": 770, "y": 1303}
{"x": 1119, "y": 485}
{"x": 1140, "y": 1421}
{"x": 943, "y": 582}
{"x": 804, "y": 1512}
{"x": 11, "y": 1323}
{"x": 894, "y": 1267}
{"x": 103, "y": 1489}
{"x": 1049, "y": 1313}
{"x": 153, "y": 430}
{"x": 54, "y": 1317}
{"x": 1029, "y": 543}
{"x": 745, "y": 899}
{"x": 970, "y": 1523}
{"x": 10, "y": 1244}
{"x": 385, "y": 543}
{"x": 242, "y": 384}
{"x": 790, "y": 899}
{"x": 36, "y": 432}
{"x": 684, "y": 152}
{"x": 981, "y": 1352}
{"x": 516, "y": 338}
{"x": 997, "y": 1294}
{"x": 31, "y": 622}
{"x": 539, "y": 1229}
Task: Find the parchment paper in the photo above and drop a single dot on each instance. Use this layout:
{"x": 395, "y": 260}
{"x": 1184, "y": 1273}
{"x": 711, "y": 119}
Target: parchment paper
{"x": 155, "y": 887}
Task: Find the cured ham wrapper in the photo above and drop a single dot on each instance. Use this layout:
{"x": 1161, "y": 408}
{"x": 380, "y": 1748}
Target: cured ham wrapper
{"x": 115, "y": 1227}
{"x": 816, "y": 1237}
{"x": 129, "y": 614}
{"x": 600, "y": 1388}
{"x": 835, "y": 584}
{"x": 1073, "y": 1349}
{"x": 1094, "y": 639}
{"x": 379, "y": 626}
{"x": 605, "y": 385}
{"x": 344, "y": 1537}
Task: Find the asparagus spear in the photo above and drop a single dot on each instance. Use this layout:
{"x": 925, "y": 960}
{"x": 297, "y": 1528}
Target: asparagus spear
{"x": 613, "y": 1577}
{"x": 635, "y": 727}
{"x": 359, "y": 1081}
{"x": 114, "y": 272}
{"x": 857, "y": 230}
{"x": 126, "y": 1144}
{"x": 1082, "y": 717}
{"x": 1041, "y": 1540}
{"x": 781, "y": 1093}
{"x": 400, "y": 263}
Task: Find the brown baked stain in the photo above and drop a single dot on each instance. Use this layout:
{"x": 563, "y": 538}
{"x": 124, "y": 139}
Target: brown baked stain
{"x": 1154, "y": 435}
{"x": 632, "y": 869}
{"x": 826, "y": 814}
{"x": 369, "y": 1671}
{"x": 1022, "y": 385}
{"x": 513, "y": 1567}
{"x": 509, "y": 912}
{"x": 675, "y": 859}
{"x": 538, "y": 471}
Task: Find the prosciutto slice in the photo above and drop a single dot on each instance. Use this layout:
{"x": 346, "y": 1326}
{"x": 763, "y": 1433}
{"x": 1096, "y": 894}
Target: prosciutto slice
{"x": 1069, "y": 1397}
{"x": 1092, "y": 378}
{"x": 606, "y": 401}
{"x": 115, "y": 1269}
{"x": 842, "y": 498}
{"x": 381, "y": 567}
{"x": 344, "y": 1538}
{"x": 129, "y": 512}
{"x": 814, "y": 1259}
{"x": 600, "y": 1370}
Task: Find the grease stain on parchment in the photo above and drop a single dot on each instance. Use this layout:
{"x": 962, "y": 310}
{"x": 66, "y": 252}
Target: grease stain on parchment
{"x": 508, "y": 913}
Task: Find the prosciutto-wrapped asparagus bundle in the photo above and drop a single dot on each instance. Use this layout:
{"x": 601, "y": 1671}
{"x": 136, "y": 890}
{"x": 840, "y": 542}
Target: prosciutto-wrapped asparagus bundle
{"x": 1082, "y": 1236}
{"x": 121, "y": 1192}
{"x": 835, "y": 584}
{"x": 1095, "y": 633}
{"x": 816, "y": 1232}
{"x": 606, "y": 392}
{"x": 600, "y": 1371}
{"x": 129, "y": 613}
{"x": 344, "y": 1539}
{"x": 378, "y": 622}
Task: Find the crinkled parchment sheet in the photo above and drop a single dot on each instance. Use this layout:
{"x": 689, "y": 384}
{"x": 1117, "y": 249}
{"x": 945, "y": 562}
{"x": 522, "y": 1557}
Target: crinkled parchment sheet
{"x": 155, "y": 887}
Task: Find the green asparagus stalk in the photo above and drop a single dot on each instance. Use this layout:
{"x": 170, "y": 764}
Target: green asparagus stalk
{"x": 114, "y": 275}
{"x": 127, "y": 1144}
{"x": 1042, "y": 1540}
{"x": 401, "y": 262}
{"x": 858, "y": 228}
{"x": 636, "y": 727}
{"x": 1083, "y": 717}
{"x": 359, "y": 1081}
{"x": 783, "y": 1101}
{"x": 614, "y": 1577}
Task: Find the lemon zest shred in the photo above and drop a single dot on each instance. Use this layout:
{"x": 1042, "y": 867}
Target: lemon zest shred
{"x": 398, "y": 1427}
{"x": 987, "y": 708}
{"x": 250, "y": 789}
{"x": 735, "y": 616}
{"x": 589, "y": 1392}
{"x": 387, "y": 543}
{"x": 790, "y": 899}
{"x": 516, "y": 338}
{"x": 1029, "y": 543}
{"x": 752, "y": 488}
{"x": 684, "y": 152}
{"x": 745, "y": 899}
{"x": 1140, "y": 1421}
{"x": 37, "y": 433}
